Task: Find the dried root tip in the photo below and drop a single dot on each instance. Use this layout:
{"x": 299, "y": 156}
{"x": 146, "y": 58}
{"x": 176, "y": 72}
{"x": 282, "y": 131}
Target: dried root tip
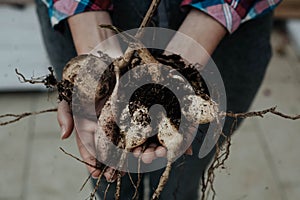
{"x": 136, "y": 192}
{"x": 106, "y": 191}
{"x": 78, "y": 159}
{"x": 17, "y": 117}
{"x": 118, "y": 186}
{"x": 260, "y": 114}
{"x": 93, "y": 194}
{"x": 162, "y": 181}
{"x": 49, "y": 81}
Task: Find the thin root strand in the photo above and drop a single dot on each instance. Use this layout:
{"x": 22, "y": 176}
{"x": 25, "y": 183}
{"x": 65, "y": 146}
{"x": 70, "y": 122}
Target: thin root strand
{"x": 93, "y": 194}
{"x": 49, "y": 80}
{"x": 162, "y": 181}
{"x": 260, "y": 114}
{"x": 23, "y": 115}
{"x": 78, "y": 159}
{"x": 118, "y": 186}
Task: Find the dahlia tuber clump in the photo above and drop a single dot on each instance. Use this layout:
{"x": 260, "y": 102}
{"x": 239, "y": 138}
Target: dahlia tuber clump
{"x": 125, "y": 125}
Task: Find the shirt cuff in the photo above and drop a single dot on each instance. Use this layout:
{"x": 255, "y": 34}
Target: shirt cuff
{"x": 59, "y": 10}
{"x": 231, "y": 15}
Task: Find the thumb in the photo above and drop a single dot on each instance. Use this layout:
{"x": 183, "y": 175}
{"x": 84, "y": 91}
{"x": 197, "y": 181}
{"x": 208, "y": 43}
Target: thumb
{"x": 65, "y": 119}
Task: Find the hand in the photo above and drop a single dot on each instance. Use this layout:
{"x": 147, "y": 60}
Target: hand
{"x": 154, "y": 151}
{"x": 84, "y": 130}
{"x": 84, "y": 134}
{"x": 82, "y": 25}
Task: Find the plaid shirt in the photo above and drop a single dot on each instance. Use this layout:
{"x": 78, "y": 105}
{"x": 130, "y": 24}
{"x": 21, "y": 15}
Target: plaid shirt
{"x": 230, "y": 13}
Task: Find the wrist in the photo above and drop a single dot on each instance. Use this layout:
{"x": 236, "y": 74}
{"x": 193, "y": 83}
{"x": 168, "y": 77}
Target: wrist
{"x": 203, "y": 30}
{"x": 87, "y": 34}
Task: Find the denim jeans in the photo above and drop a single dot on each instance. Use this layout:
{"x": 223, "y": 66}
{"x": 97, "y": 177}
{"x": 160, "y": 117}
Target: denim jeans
{"x": 241, "y": 57}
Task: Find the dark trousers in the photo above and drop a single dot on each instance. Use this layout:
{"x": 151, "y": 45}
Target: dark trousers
{"x": 241, "y": 57}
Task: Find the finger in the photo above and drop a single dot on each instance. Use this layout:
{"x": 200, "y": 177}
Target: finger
{"x": 148, "y": 156}
{"x": 152, "y": 145}
{"x": 85, "y": 126}
{"x": 111, "y": 175}
{"x": 189, "y": 151}
{"x": 160, "y": 152}
{"x": 107, "y": 174}
{"x": 85, "y": 143}
{"x": 137, "y": 152}
{"x": 65, "y": 119}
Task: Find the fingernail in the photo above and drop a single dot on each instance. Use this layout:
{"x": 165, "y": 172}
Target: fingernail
{"x": 189, "y": 152}
{"x": 109, "y": 179}
{"x": 63, "y": 131}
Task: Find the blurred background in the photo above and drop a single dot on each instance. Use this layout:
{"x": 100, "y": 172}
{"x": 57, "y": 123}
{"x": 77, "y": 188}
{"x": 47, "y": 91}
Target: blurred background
{"x": 264, "y": 162}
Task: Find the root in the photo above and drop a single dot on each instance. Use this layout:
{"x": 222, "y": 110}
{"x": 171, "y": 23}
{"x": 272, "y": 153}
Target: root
{"x": 162, "y": 181}
{"x": 118, "y": 186}
{"x": 78, "y": 159}
{"x": 260, "y": 114}
{"x": 17, "y": 117}
{"x": 131, "y": 180}
{"x": 153, "y": 6}
{"x": 85, "y": 182}
{"x": 144, "y": 54}
{"x": 65, "y": 90}
{"x": 106, "y": 190}
{"x": 93, "y": 194}
{"x": 221, "y": 155}
{"x": 49, "y": 81}
{"x": 222, "y": 152}
{"x": 135, "y": 195}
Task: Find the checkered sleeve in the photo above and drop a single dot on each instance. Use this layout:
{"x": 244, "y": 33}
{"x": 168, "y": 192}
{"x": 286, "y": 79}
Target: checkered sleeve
{"x": 61, "y": 9}
{"x": 231, "y": 13}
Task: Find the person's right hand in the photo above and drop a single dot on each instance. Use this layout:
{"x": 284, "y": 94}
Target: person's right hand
{"x": 84, "y": 130}
{"x": 81, "y": 25}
